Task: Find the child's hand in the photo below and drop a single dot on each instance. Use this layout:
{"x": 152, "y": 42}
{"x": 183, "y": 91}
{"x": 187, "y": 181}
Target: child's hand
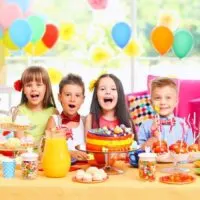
{"x": 149, "y": 142}
{"x": 155, "y": 129}
{"x": 79, "y": 155}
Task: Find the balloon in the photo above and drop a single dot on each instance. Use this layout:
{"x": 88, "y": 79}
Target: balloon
{"x": 183, "y": 43}
{"x": 20, "y": 32}
{"x": 8, "y": 13}
{"x": 1, "y": 2}
{"x": 98, "y": 4}
{"x": 121, "y": 33}
{"x": 50, "y": 36}
{"x": 23, "y": 4}
{"x": 37, "y": 25}
{"x": 8, "y": 41}
{"x": 162, "y": 39}
{"x": 36, "y": 49}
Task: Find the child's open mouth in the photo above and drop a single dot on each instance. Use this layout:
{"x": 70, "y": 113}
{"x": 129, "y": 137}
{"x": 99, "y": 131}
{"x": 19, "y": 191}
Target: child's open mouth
{"x": 71, "y": 106}
{"x": 108, "y": 100}
{"x": 35, "y": 96}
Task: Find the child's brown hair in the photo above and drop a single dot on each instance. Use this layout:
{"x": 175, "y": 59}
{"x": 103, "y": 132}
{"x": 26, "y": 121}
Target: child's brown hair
{"x": 38, "y": 74}
{"x": 162, "y": 82}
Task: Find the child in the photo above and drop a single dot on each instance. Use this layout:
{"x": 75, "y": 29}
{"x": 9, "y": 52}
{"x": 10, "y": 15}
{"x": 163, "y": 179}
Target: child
{"x": 37, "y": 102}
{"x": 71, "y": 97}
{"x": 108, "y": 107}
{"x": 164, "y": 97}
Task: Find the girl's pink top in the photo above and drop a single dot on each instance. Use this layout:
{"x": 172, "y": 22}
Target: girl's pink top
{"x": 109, "y": 124}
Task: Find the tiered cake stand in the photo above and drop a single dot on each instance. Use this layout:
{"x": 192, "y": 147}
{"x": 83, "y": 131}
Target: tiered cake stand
{"x": 108, "y": 167}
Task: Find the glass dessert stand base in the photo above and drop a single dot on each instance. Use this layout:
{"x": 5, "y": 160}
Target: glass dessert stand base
{"x": 177, "y": 160}
{"x": 109, "y": 157}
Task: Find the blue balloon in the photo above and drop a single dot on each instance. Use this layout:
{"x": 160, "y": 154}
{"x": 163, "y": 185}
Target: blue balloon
{"x": 121, "y": 34}
{"x": 23, "y": 4}
{"x": 20, "y": 32}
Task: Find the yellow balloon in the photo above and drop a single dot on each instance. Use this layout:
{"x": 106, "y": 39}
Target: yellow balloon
{"x": 8, "y": 41}
{"x": 67, "y": 31}
{"x": 36, "y": 49}
{"x": 132, "y": 49}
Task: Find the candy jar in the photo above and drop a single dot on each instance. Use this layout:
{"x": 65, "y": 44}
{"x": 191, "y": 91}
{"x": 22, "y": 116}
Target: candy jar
{"x": 29, "y": 165}
{"x": 147, "y": 166}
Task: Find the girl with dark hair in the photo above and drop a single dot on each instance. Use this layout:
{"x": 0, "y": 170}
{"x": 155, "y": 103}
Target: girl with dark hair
{"x": 108, "y": 107}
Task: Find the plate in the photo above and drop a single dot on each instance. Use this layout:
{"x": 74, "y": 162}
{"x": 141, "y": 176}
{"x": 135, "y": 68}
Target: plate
{"x": 164, "y": 158}
{"x": 88, "y": 182}
{"x": 82, "y": 147}
{"x": 178, "y": 178}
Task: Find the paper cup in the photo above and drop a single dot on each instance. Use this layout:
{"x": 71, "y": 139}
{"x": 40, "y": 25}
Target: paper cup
{"x": 9, "y": 168}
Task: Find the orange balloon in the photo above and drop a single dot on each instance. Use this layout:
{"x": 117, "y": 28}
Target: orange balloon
{"x": 162, "y": 39}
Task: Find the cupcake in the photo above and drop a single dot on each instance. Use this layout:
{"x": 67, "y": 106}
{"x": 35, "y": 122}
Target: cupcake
{"x": 80, "y": 174}
{"x": 97, "y": 177}
{"x": 87, "y": 177}
{"x": 12, "y": 143}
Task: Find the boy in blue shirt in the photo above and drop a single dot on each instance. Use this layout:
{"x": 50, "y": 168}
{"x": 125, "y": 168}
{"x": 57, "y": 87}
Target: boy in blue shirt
{"x": 165, "y": 126}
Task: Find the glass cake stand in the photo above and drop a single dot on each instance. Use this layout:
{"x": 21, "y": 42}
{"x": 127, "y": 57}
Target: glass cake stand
{"x": 108, "y": 168}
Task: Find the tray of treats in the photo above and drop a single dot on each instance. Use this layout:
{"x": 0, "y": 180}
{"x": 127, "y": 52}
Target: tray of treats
{"x": 90, "y": 175}
{"x": 21, "y": 123}
{"x": 177, "y": 178}
{"x": 16, "y": 144}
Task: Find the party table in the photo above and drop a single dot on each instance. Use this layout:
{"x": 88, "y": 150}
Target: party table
{"x": 117, "y": 187}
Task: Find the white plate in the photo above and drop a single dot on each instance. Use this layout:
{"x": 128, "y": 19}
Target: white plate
{"x": 164, "y": 158}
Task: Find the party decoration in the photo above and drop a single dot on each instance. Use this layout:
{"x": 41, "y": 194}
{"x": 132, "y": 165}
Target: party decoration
{"x": 162, "y": 39}
{"x": 18, "y": 85}
{"x": 20, "y": 32}
{"x": 8, "y": 13}
{"x": 92, "y": 85}
{"x": 50, "y": 36}
{"x": 36, "y": 49}
{"x": 100, "y": 54}
{"x": 132, "y": 48}
{"x": 37, "y": 25}
{"x": 98, "y": 4}
{"x": 55, "y": 75}
{"x": 183, "y": 43}
{"x": 170, "y": 19}
{"x": 67, "y": 31}
{"x": 8, "y": 41}
{"x": 121, "y": 33}
{"x": 23, "y": 4}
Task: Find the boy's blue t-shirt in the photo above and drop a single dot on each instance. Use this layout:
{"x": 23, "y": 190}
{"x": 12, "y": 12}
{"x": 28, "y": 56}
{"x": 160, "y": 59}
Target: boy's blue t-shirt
{"x": 144, "y": 132}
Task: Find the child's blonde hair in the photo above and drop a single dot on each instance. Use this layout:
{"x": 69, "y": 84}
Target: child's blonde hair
{"x": 38, "y": 74}
{"x": 162, "y": 82}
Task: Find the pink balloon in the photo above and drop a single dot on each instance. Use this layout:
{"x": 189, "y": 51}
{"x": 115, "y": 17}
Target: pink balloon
{"x": 98, "y": 4}
{"x": 1, "y": 2}
{"x": 8, "y": 13}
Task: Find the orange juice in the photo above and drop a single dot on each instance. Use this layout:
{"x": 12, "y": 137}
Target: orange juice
{"x": 56, "y": 159}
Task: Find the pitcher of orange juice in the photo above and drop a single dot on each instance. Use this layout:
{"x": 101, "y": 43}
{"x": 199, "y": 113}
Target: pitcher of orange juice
{"x": 56, "y": 158}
